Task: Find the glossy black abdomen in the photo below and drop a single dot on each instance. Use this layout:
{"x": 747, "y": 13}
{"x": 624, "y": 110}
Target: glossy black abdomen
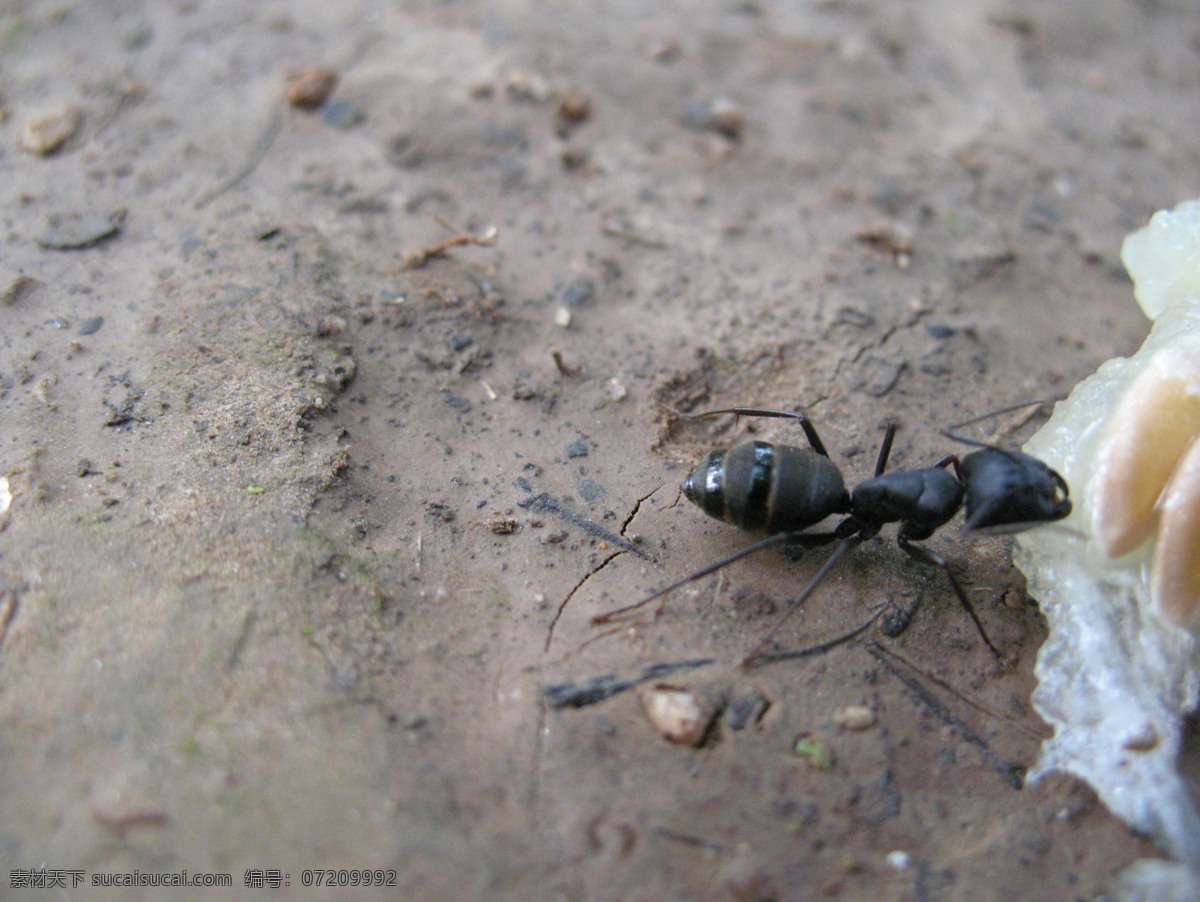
{"x": 768, "y": 488}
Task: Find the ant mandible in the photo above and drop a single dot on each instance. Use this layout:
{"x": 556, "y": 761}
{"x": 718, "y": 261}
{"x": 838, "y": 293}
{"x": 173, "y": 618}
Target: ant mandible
{"x": 784, "y": 490}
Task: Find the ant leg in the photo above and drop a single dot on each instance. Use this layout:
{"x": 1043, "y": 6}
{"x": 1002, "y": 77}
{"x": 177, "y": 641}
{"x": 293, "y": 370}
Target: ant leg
{"x": 805, "y": 423}
{"x": 808, "y": 540}
{"x": 848, "y": 542}
{"x": 951, "y": 460}
{"x": 885, "y": 450}
{"x": 925, "y": 556}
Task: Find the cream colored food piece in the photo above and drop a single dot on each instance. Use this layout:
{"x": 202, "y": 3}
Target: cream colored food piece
{"x": 1116, "y": 579}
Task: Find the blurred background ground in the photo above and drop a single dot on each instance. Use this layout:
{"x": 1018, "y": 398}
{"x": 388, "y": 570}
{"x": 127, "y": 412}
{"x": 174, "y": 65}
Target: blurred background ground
{"x": 303, "y": 525}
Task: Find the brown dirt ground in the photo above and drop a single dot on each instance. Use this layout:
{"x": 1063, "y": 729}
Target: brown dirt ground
{"x": 259, "y": 610}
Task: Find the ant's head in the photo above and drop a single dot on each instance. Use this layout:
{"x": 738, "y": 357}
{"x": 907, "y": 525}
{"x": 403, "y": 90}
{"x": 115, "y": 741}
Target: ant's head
{"x": 1007, "y": 491}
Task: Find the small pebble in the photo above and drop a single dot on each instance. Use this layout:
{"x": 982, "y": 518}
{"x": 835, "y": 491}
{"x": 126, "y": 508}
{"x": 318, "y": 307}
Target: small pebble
{"x": 679, "y": 716}
{"x": 344, "y": 115}
{"x": 578, "y": 293}
{"x": 562, "y": 317}
{"x": 855, "y": 717}
{"x": 898, "y": 861}
{"x": 91, "y": 326}
{"x": 574, "y": 106}
{"x": 720, "y": 115}
{"x": 49, "y": 130}
{"x": 75, "y": 231}
{"x": 17, "y": 290}
{"x": 309, "y": 88}
{"x": 502, "y": 526}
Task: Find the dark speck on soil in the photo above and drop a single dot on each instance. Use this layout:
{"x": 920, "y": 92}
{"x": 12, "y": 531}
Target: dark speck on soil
{"x": 343, "y": 114}
{"x": 577, "y": 293}
{"x": 590, "y": 490}
{"x": 578, "y": 448}
{"x": 462, "y": 405}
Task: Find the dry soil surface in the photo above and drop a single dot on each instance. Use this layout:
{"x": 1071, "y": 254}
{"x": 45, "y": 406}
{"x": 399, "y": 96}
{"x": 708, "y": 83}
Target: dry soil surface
{"x": 311, "y": 506}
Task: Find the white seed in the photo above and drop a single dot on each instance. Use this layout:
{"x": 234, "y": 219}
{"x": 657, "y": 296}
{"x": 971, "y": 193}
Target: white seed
{"x": 1147, "y": 433}
{"x": 1175, "y": 565}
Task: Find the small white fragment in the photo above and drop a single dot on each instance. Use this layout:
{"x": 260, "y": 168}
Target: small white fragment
{"x": 562, "y": 317}
{"x": 1143, "y": 739}
{"x": 51, "y": 129}
{"x": 5, "y": 499}
{"x": 678, "y": 715}
{"x": 898, "y": 861}
{"x": 855, "y": 717}
{"x": 616, "y": 389}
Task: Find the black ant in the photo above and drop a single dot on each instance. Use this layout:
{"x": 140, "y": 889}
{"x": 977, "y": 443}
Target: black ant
{"x": 784, "y": 490}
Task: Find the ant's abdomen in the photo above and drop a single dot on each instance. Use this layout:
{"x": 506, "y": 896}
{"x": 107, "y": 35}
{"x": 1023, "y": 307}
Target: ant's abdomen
{"x": 767, "y": 488}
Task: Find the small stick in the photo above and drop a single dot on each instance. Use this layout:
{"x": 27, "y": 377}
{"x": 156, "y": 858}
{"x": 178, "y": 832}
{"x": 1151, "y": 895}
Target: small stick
{"x": 562, "y": 366}
{"x": 421, "y": 256}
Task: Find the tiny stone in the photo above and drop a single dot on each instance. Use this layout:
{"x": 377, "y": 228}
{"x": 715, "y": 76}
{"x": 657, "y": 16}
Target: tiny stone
{"x": 17, "y": 290}
{"x": 577, "y": 293}
{"x": 574, "y": 106}
{"x": 91, "y": 326}
{"x": 49, "y": 130}
{"x": 678, "y": 716}
{"x": 938, "y": 330}
{"x": 562, "y": 317}
{"x": 343, "y": 114}
{"x": 311, "y": 87}
{"x": 75, "y": 231}
{"x": 855, "y": 717}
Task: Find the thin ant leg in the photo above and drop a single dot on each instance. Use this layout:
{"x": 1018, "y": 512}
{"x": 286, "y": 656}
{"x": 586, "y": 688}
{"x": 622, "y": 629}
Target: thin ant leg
{"x": 805, "y": 423}
{"x": 951, "y": 460}
{"x": 819, "y": 649}
{"x": 885, "y": 449}
{"x": 807, "y": 540}
{"x": 846, "y": 544}
{"x": 925, "y": 556}
{"x": 851, "y": 531}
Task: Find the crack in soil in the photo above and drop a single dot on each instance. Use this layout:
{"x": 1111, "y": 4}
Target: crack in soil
{"x": 579, "y": 585}
{"x": 547, "y": 503}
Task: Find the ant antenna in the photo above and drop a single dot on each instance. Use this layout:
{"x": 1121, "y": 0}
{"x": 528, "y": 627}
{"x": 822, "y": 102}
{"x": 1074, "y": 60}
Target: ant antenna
{"x": 953, "y": 433}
